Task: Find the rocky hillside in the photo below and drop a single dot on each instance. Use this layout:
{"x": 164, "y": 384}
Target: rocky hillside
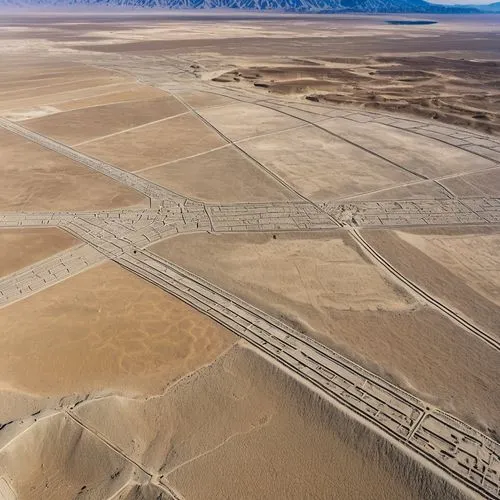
{"x": 322, "y": 6}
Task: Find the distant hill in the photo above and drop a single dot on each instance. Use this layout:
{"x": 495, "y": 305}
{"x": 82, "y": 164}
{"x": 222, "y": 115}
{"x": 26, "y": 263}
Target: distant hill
{"x": 492, "y": 7}
{"x": 303, "y": 6}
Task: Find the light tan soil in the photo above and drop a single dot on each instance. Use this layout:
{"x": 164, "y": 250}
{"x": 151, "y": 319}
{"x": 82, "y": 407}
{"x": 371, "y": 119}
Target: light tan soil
{"x": 56, "y": 459}
{"x": 321, "y": 166}
{"x": 422, "y": 155}
{"x": 155, "y": 144}
{"x": 31, "y": 83}
{"x": 108, "y": 330}
{"x": 73, "y": 127}
{"x": 224, "y": 175}
{"x": 479, "y": 184}
{"x": 133, "y": 93}
{"x": 8, "y": 98}
{"x": 240, "y": 428}
{"x": 460, "y": 266}
{"x": 423, "y": 190}
{"x": 22, "y": 247}
{"x": 25, "y": 108}
{"x": 14, "y": 81}
{"x": 34, "y": 178}
{"x": 165, "y": 383}
{"x": 199, "y": 100}
{"x": 242, "y": 120}
{"x": 319, "y": 284}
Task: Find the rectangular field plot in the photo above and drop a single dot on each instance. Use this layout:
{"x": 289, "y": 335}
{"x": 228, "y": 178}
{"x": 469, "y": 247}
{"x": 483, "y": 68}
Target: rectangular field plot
{"x": 34, "y": 178}
{"x": 477, "y": 184}
{"x": 243, "y": 120}
{"x": 419, "y": 154}
{"x": 155, "y": 144}
{"x": 79, "y": 125}
{"x": 320, "y": 282}
{"x": 321, "y": 166}
{"x": 224, "y": 175}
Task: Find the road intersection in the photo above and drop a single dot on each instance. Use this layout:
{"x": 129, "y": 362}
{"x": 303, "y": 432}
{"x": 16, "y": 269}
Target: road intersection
{"x": 461, "y": 451}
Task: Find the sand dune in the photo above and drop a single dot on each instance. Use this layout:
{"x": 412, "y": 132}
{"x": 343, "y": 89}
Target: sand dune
{"x": 55, "y": 458}
{"x": 323, "y": 286}
{"x": 108, "y": 330}
{"x": 452, "y": 90}
{"x": 268, "y": 427}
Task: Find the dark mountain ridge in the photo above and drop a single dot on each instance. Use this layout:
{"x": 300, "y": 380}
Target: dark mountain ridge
{"x": 302, "y": 6}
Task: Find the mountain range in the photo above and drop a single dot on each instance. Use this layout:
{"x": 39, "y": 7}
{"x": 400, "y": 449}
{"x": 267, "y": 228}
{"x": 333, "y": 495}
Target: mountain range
{"x": 491, "y": 8}
{"x": 303, "y": 6}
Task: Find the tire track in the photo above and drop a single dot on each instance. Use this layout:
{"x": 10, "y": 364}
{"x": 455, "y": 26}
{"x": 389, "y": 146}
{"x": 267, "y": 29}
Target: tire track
{"x": 448, "y": 311}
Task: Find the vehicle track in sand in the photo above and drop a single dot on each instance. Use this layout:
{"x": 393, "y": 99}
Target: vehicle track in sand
{"x": 454, "y": 315}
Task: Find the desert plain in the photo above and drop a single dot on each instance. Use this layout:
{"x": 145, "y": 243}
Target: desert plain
{"x": 248, "y": 256}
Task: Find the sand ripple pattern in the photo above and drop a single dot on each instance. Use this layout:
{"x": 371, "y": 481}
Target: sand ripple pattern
{"x": 457, "y": 448}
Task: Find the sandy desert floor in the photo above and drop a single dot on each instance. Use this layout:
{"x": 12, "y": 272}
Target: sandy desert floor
{"x": 19, "y": 248}
{"x": 158, "y": 340}
{"x": 36, "y": 179}
{"x": 194, "y": 206}
{"x": 323, "y": 284}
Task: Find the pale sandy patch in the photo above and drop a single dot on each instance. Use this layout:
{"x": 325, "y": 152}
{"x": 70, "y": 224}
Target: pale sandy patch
{"x": 321, "y": 285}
{"x": 321, "y": 166}
{"x": 154, "y": 144}
{"x": 22, "y": 247}
{"x": 101, "y": 330}
{"x": 34, "y": 178}
{"x": 242, "y": 120}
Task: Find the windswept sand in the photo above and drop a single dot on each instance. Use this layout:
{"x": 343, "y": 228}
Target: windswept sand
{"x": 322, "y": 285}
{"x": 240, "y": 428}
{"x": 108, "y": 330}
{"x": 454, "y": 89}
{"x": 210, "y": 436}
{"x": 36, "y": 179}
{"x": 22, "y": 247}
{"x": 56, "y": 459}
